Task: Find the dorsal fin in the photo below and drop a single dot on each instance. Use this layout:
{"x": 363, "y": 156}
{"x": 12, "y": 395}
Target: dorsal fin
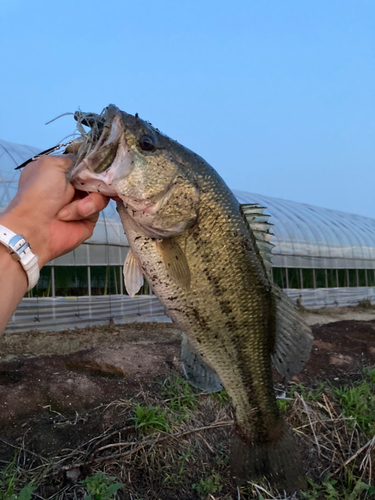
{"x": 261, "y": 228}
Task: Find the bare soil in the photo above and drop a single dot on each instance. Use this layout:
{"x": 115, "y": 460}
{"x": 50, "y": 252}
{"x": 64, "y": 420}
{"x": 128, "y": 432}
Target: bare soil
{"x": 84, "y": 368}
{"x": 60, "y": 389}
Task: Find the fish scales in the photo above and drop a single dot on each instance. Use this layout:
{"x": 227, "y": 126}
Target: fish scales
{"x": 228, "y": 306}
{"x": 189, "y": 237}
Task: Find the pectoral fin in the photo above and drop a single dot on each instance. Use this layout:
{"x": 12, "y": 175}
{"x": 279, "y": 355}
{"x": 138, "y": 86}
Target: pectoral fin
{"x": 198, "y": 373}
{"x": 133, "y": 274}
{"x": 175, "y": 261}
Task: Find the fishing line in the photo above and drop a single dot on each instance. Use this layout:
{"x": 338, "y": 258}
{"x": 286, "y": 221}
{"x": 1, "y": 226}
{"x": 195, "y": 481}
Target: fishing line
{"x": 57, "y": 117}
{"x": 70, "y": 135}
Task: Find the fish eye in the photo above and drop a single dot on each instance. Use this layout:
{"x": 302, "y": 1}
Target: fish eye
{"x": 147, "y": 143}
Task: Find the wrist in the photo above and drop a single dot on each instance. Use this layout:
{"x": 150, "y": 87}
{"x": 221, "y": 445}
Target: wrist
{"x": 20, "y": 251}
{"x": 20, "y": 224}
{"x": 13, "y": 269}
{"x": 13, "y": 286}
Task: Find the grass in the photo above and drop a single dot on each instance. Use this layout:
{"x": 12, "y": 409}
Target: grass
{"x": 150, "y": 418}
{"x": 174, "y": 444}
{"x": 181, "y": 397}
{"x": 358, "y": 402}
{"x": 12, "y": 483}
{"x": 100, "y": 487}
{"x": 184, "y": 460}
{"x": 283, "y": 404}
{"x": 331, "y": 489}
{"x": 208, "y": 486}
{"x": 221, "y": 397}
{"x": 308, "y": 394}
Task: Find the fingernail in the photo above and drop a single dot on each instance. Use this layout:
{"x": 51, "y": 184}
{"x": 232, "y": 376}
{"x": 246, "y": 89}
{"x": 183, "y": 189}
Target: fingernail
{"x": 87, "y": 208}
{"x": 64, "y": 213}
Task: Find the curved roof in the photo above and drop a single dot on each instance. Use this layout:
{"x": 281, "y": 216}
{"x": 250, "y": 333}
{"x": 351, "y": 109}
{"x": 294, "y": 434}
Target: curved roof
{"x": 309, "y": 236}
{"x": 108, "y": 229}
{"x": 305, "y": 235}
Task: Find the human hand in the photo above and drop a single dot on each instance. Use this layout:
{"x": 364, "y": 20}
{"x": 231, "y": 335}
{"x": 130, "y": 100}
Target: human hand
{"x": 49, "y": 212}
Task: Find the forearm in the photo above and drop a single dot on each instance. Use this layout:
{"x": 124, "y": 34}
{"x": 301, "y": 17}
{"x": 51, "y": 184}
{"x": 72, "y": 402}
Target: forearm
{"x": 13, "y": 286}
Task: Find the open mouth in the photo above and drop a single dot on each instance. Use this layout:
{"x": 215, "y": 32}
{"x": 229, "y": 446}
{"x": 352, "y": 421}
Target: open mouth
{"x": 103, "y": 156}
{"x": 99, "y": 148}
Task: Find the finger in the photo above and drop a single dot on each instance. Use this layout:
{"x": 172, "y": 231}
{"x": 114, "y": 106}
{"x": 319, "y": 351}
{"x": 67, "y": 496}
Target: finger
{"x": 92, "y": 204}
{"x": 80, "y": 209}
{"x": 62, "y": 162}
{"x": 79, "y": 231}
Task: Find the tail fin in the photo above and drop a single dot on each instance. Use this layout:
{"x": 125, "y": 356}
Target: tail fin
{"x": 277, "y": 462}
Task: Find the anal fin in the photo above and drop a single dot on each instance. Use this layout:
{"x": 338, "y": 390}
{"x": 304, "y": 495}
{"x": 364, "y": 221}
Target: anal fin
{"x": 293, "y": 339}
{"x": 198, "y": 373}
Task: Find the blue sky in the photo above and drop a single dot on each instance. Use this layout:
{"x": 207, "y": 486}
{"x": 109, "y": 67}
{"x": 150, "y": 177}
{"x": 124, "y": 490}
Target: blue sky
{"x": 277, "y": 95}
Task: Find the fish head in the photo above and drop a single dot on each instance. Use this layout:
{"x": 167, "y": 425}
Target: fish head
{"x": 125, "y": 157}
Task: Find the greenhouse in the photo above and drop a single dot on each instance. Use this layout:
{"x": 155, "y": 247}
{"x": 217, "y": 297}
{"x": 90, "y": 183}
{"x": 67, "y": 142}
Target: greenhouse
{"x": 321, "y": 258}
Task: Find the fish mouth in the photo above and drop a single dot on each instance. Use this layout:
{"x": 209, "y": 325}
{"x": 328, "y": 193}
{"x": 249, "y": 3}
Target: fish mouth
{"x": 99, "y": 146}
{"x": 103, "y": 155}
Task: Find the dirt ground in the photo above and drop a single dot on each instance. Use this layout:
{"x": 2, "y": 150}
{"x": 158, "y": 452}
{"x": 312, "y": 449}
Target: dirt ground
{"x": 83, "y": 368}
{"x": 57, "y": 388}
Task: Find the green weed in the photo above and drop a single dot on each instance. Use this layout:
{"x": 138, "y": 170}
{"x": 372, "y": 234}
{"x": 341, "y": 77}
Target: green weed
{"x": 283, "y": 404}
{"x": 358, "y": 401}
{"x": 181, "y": 395}
{"x": 9, "y": 484}
{"x": 150, "y": 418}
{"x": 100, "y": 487}
{"x": 330, "y": 489}
{"x": 222, "y": 458}
{"x": 221, "y": 397}
{"x": 369, "y": 374}
{"x": 210, "y": 485}
{"x": 308, "y": 395}
{"x": 175, "y": 478}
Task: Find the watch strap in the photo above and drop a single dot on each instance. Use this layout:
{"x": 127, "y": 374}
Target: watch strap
{"x": 20, "y": 250}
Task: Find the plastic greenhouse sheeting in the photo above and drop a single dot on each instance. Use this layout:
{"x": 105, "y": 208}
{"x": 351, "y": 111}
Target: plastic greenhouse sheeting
{"x": 108, "y": 230}
{"x": 306, "y": 237}
{"x": 11, "y": 155}
{"x": 331, "y": 297}
{"x": 70, "y": 312}
{"x": 312, "y": 237}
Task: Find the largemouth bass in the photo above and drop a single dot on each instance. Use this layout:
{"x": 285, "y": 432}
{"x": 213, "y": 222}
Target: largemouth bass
{"x": 198, "y": 249}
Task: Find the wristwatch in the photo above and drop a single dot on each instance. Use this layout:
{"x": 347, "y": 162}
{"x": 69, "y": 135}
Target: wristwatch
{"x": 20, "y": 250}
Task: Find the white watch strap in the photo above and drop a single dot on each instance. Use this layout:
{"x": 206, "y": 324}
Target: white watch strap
{"x": 19, "y": 249}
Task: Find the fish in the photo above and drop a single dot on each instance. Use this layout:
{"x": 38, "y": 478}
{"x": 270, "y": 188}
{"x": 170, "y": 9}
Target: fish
{"x": 208, "y": 261}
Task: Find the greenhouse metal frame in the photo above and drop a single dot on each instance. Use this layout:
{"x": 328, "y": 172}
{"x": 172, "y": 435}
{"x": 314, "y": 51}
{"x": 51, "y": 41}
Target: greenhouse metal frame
{"x": 321, "y": 257}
